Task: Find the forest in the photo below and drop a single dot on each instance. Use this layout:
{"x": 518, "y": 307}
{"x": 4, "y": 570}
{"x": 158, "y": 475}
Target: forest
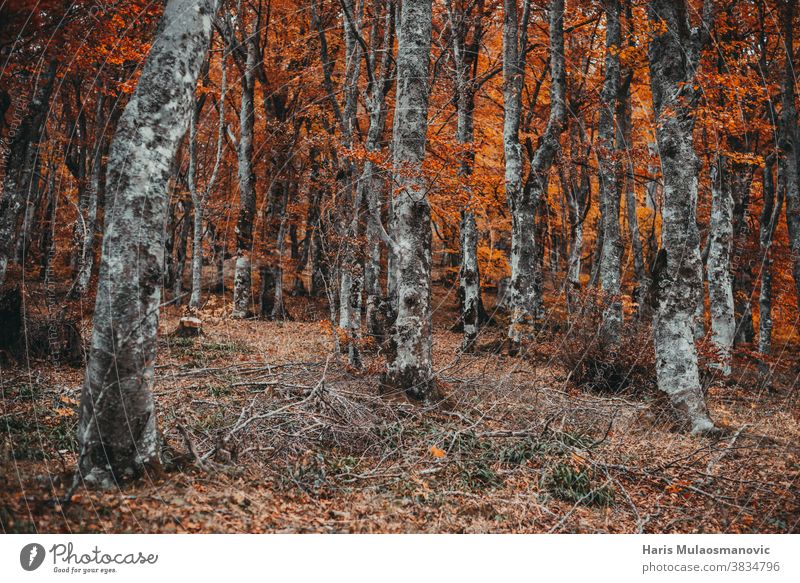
{"x": 380, "y": 266}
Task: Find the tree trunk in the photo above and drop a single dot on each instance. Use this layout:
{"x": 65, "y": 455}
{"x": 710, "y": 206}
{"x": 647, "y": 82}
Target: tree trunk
{"x": 680, "y": 282}
{"x": 577, "y": 191}
{"x": 769, "y": 219}
{"x": 180, "y": 252}
{"x": 611, "y": 254}
{"x": 465, "y": 58}
{"x": 198, "y": 202}
{"x": 48, "y": 240}
{"x": 199, "y": 199}
{"x": 625, "y": 142}
{"x": 469, "y": 281}
{"x": 720, "y": 289}
{"x": 524, "y": 301}
{"x": 242, "y": 281}
{"x": 788, "y": 140}
{"x": 351, "y": 279}
{"x": 278, "y": 311}
{"x": 372, "y": 179}
{"x": 23, "y": 153}
{"x": 117, "y": 429}
{"x": 520, "y": 297}
{"x": 86, "y": 257}
{"x": 740, "y": 181}
{"x": 412, "y": 367}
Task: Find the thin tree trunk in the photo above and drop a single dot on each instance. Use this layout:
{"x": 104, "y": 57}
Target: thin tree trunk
{"x": 117, "y": 430}
{"x": 625, "y": 142}
{"x": 199, "y": 200}
{"x": 524, "y": 299}
{"x": 76, "y": 162}
{"x": 609, "y": 172}
{"x": 769, "y": 219}
{"x": 48, "y": 241}
{"x": 242, "y": 281}
{"x": 351, "y": 270}
{"x": 23, "y": 153}
{"x": 788, "y": 140}
{"x": 720, "y": 288}
{"x": 740, "y": 181}
{"x": 412, "y": 367}
{"x": 86, "y": 257}
{"x": 180, "y": 253}
{"x": 372, "y": 180}
{"x": 278, "y": 311}
{"x": 465, "y": 64}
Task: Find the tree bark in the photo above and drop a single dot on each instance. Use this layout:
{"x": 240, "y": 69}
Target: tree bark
{"x": 720, "y": 288}
{"x": 181, "y": 251}
{"x": 521, "y": 300}
{"x": 625, "y": 142}
{"x": 199, "y": 199}
{"x": 680, "y": 282}
{"x": 412, "y": 368}
{"x": 788, "y": 141}
{"x": 117, "y": 430}
{"x": 86, "y": 253}
{"x": 465, "y": 57}
{"x": 609, "y": 171}
{"x": 740, "y": 181}
{"x": 769, "y": 219}
{"x": 20, "y": 166}
{"x": 242, "y": 281}
{"x": 372, "y": 179}
{"x": 524, "y": 299}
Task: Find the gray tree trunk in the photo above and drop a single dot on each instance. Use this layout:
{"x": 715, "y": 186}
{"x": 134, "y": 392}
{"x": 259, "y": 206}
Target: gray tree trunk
{"x": 243, "y": 278}
{"x": 521, "y": 295}
{"x": 680, "y": 282}
{"x": 181, "y": 250}
{"x": 372, "y": 180}
{"x": 86, "y": 253}
{"x": 769, "y": 219}
{"x": 609, "y": 172}
{"x": 524, "y": 301}
{"x": 117, "y": 430}
{"x": 199, "y": 199}
{"x": 412, "y": 368}
{"x": 465, "y": 56}
{"x": 720, "y": 287}
{"x": 577, "y": 191}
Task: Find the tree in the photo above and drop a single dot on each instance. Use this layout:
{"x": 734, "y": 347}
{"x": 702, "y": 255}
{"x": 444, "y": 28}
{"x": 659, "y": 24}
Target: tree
{"x": 788, "y": 140}
{"x": 117, "y": 430}
{"x": 242, "y": 282}
{"x": 20, "y": 169}
{"x": 411, "y": 369}
{"x": 609, "y": 175}
{"x": 200, "y": 199}
{"x": 524, "y": 300}
{"x": 466, "y": 24}
{"x": 680, "y": 282}
{"x": 720, "y": 286}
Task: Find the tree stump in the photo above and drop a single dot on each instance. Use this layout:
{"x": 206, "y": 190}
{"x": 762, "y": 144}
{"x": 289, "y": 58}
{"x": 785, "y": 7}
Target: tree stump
{"x": 189, "y": 327}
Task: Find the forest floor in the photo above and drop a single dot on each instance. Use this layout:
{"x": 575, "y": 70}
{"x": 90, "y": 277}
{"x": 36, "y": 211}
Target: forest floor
{"x": 266, "y": 431}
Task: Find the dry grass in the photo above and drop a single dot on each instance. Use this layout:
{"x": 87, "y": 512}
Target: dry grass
{"x": 287, "y": 438}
